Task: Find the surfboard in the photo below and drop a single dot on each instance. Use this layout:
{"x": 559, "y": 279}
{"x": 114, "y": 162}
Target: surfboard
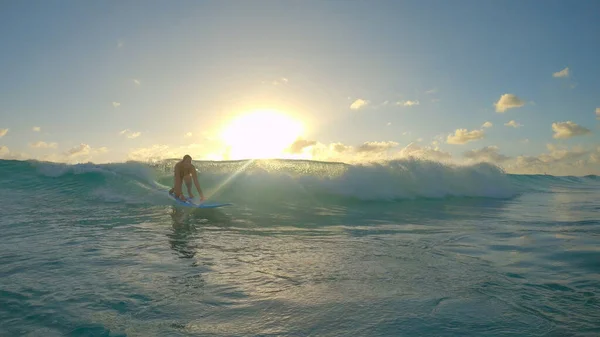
{"x": 190, "y": 203}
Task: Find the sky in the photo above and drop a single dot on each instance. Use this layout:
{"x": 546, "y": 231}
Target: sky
{"x": 513, "y": 83}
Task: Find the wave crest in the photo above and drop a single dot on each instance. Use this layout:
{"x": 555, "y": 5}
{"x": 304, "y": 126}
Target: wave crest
{"x": 280, "y": 180}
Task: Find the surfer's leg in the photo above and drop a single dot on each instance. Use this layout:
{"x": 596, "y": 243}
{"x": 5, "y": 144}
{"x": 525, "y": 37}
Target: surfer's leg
{"x": 188, "y": 184}
{"x": 177, "y": 188}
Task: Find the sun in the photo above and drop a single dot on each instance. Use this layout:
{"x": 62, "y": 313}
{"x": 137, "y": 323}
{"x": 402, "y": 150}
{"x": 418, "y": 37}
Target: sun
{"x": 261, "y": 134}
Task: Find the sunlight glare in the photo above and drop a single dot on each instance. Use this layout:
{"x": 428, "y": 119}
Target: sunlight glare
{"x": 261, "y": 134}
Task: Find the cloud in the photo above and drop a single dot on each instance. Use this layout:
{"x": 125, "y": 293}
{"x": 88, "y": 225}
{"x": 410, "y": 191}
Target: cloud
{"x": 597, "y": 113}
{"x": 559, "y": 160}
{"x": 568, "y": 129}
{"x": 340, "y": 148}
{"x": 80, "y": 153}
{"x": 80, "y": 150}
{"x": 103, "y": 149}
{"x": 513, "y": 124}
{"x": 6, "y": 153}
{"x": 562, "y": 73}
{"x": 407, "y": 103}
{"x": 280, "y": 81}
{"x": 487, "y": 125}
{"x": 136, "y": 81}
{"x": 488, "y": 154}
{"x": 424, "y": 152}
{"x": 382, "y": 104}
{"x": 432, "y": 91}
{"x": 187, "y": 135}
{"x": 559, "y": 153}
{"x": 299, "y": 145}
{"x": 43, "y": 145}
{"x": 463, "y": 136}
{"x": 359, "y": 103}
{"x": 36, "y": 129}
{"x": 116, "y": 104}
{"x": 376, "y": 146}
{"x": 3, "y": 132}
{"x": 370, "y": 151}
{"x": 388, "y": 124}
{"x": 159, "y": 152}
{"x": 508, "y": 101}
{"x": 130, "y": 134}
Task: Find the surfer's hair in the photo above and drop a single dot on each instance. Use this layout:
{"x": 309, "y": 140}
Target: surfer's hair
{"x": 187, "y": 156}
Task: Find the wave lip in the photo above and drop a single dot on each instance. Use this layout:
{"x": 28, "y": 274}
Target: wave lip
{"x": 410, "y": 179}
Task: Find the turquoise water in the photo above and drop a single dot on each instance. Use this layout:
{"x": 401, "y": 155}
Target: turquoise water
{"x": 405, "y": 248}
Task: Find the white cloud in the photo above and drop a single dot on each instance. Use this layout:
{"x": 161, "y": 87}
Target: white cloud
{"x": 116, "y": 104}
{"x": 120, "y": 43}
{"x": 189, "y": 134}
{"x": 299, "y": 145}
{"x": 43, "y": 145}
{"x": 487, "y": 125}
{"x": 80, "y": 153}
{"x": 389, "y": 123}
{"x": 407, "y": 103}
{"x": 562, "y": 73}
{"x": 432, "y": 91}
{"x": 136, "y": 81}
{"x": 508, "y": 101}
{"x": 488, "y": 154}
{"x": 359, "y": 103}
{"x": 424, "y": 152}
{"x": 158, "y": 152}
{"x": 380, "y": 105}
{"x": 365, "y": 152}
{"x": 280, "y": 81}
{"x": 376, "y": 146}
{"x": 80, "y": 150}
{"x": 3, "y": 132}
{"x": 597, "y": 113}
{"x": 463, "y": 136}
{"x": 559, "y": 161}
{"x": 36, "y": 129}
{"x": 525, "y": 141}
{"x": 513, "y": 124}
{"x": 6, "y": 153}
{"x": 130, "y": 134}
{"x": 568, "y": 129}
{"x": 340, "y": 147}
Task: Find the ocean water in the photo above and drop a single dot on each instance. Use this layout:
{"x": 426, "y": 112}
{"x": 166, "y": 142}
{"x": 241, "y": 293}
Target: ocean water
{"x": 403, "y": 248}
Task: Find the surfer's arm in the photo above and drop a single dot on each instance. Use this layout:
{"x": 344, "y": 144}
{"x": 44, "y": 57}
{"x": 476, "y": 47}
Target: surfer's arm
{"x": 197, "y": 184}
